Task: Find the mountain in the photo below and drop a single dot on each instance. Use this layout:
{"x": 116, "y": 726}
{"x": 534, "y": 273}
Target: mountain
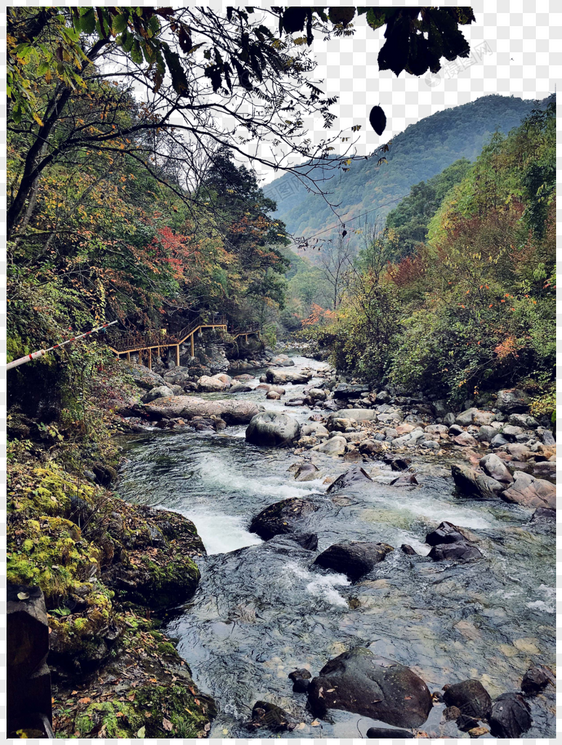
{"x": 420, "y": 152}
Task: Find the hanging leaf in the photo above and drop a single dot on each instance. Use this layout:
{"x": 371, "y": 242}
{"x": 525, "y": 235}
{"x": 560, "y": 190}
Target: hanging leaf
{"x": 341, "y": 15}
{"x": 377, "y": 118}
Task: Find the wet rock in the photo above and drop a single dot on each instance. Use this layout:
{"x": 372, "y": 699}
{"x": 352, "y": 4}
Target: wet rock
{"x": 410, "y": 439}
{"x": 407, "y": 479}
{"x": 271, "y": 717}
{"x": 529, "y": 491}
{"x": 371, "y": 447}
{"x": 399, "y": 464}
{"x": 451, "y": 713}
{"x": 334, "y": 446}
{"x": 383, "y": 733}
{"x": 454, "y": 552}
{"x": 363, "y": 683}
{"x": 272, "y": 396}
{"x": 143, "y": 377}
{"x": 512, "y": 401}
{"x": 383, "y": 397}
{"x": 353, "y": 559}
{"x": 408, "y": 550}
{"x": 282, "y": 517}
{"x": 466, "y": 723}
{"x": 495, "y": 467}
{"x": 308, "y": 541}
{"x": 510, "y": 717}
{"x": 536, "y": 680}
{"x": 272, "y": 429}
{"x": 349, "y": 479}
{"x": 470, "y": 697}
{"x": 301, "y": 680}
{"x": 430, "y": 445}
{"x": 307, "y": 472}
{"x": 213, "y": 383}
{"x": 314, "y": 428}
{"x": 317, "y": 394}
{"x": 445, "y": 533}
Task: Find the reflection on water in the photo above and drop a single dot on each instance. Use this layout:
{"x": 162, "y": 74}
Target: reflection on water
{"x": 263, "y": 610}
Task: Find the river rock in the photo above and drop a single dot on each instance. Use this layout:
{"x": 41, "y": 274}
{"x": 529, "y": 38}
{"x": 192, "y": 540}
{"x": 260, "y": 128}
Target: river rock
{"x": 510, "y": 432}
{"x": 349, "y": 479}
{"x": 406, "y": 479}
{"x": 353, "y": 559}
{"x": 545, "y": 470}
{"x": 213, "y": 383}
{"x": 317, "y": 394}
{"x": 161, "y": 391}
{"x": 307, "y": 472}
{"x": 187, "y": 407}
{"x": 273, "y": 429}
{"x": 486, "y": 433}
{"x": 345, "y": 391}
{"x": 333, "y": 446}
{"x": 529, "y": 491}
{"x": 436, "y": 429}
{"x": 142, "y": 376}
{"x": 388, "y": 733}
{"x": 498, "y": 441}
{"x": 281, "y": 377}
{"x": 454, "y": 552}
{"x": 526, "y": 421}
{"x": 301, "y": 680}
{"x": 470, "y": 697}
{"x": 510, "y": 717}
{"x": 371, "y": 447}
{"x": 483, "y": 418}
{"x": 470, "y": 483}
{"x": 465, "y": 440}
{"x": 536, "y": 680}
{"x": 512, "y": 401}
{"x": 445, "y": 533}
{"x": 271, "y": 717}
{"x": 314, "y": 428}
{"x": 282, "y": 517}
{"x": 240, "y": 388}
{"x": 465, "y": 417}
{"x": 273, "y": 396}
{"x": 363, "y": 683}
{"x": 357, "y": 414}
{"x": 495, "y": 467}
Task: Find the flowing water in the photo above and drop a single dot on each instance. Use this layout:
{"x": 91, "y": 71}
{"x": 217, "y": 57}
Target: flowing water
{"x": 262, "y": 610}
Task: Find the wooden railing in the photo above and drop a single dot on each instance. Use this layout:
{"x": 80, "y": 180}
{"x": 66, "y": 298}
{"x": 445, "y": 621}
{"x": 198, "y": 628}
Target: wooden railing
{"x": 137, "y": 343}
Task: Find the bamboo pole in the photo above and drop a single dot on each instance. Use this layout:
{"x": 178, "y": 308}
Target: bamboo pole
{"x": 178, "y": 355}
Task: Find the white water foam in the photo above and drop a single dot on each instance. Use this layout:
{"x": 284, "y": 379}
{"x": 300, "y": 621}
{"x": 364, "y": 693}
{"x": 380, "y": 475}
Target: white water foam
{"x": 223, "y": 476}
{"x": 222, "y": 533}
{"x": 319, "y": 586}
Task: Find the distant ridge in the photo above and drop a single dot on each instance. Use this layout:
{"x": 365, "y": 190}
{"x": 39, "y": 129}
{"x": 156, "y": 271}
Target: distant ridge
{"x": 423, "y": 150}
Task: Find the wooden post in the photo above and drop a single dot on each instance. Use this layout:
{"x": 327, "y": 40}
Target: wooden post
{"x": 150, "y": 358}
{"x": 193, "y": 345}
{"x": 128, "y": 356}
{"x": 246, "y": 338}
{"x": 178, "y": 355}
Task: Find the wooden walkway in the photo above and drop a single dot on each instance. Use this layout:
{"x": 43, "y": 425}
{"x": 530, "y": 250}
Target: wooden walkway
{"x": 157, "y": 340}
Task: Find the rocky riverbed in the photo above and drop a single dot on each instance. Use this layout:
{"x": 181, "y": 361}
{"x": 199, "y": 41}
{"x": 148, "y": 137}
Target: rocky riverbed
{"x": 338, "y": 518}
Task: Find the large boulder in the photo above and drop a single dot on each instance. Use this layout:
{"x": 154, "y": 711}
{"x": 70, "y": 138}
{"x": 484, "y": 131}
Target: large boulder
{"x": 187, "y": 407}
{"x": 512, "y": 401}
{"x": 529, "y": 491}
{"x": 345, "y": 391}
{"x": 450, "y": 543}
{"x": 353, "y": 559}
{"x": 272, "y": 428}
{"x": 282, "y": 517}
{"x": 363, "y": 683}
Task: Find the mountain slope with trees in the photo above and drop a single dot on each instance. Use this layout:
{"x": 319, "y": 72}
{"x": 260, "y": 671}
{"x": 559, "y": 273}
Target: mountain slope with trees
{"x": 419, "y": 153}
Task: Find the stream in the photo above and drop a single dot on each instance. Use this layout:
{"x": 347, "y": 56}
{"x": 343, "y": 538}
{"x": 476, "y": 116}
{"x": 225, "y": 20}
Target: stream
{"x": 261, "y": 610}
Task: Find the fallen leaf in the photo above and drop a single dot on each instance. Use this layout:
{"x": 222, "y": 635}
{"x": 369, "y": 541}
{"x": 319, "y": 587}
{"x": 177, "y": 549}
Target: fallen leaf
{"x": 141, "y": 732}
{"x": 23, "y": 595}
{"x": 167, "y": 725}
{"x": 148, "y": 714}
{"x": 85, "y": 700}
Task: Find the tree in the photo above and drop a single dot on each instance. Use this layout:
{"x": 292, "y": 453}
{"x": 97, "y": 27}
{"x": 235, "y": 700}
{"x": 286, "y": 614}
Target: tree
{"x": 336, "y": 261}
{"x": 194, "y": 66}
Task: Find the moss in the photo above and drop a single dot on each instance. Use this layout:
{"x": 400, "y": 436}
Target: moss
{"x": 166, "y": 648}
{"x": 177, "y": 705}
{"x": 112, "y": 719}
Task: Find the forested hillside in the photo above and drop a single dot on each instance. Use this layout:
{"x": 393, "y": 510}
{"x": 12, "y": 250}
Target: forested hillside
{"x": 422, "y": 151}
{"x": 470, "y": 307}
